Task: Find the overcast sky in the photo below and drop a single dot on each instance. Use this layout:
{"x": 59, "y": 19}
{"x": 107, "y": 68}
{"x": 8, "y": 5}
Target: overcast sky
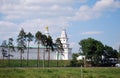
{"x": 98, "y": 19}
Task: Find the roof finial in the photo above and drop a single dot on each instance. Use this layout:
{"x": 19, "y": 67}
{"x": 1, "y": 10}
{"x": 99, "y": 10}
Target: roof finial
{"x": 46, "y": 28}
{"x": 46, "y": 31}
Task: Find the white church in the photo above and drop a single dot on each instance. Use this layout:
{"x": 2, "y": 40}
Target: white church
{"x": 67, "y": 53}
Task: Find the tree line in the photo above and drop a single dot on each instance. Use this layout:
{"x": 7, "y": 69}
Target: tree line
{"x": 96, "y": 54}
{"x": 23, "y": 42}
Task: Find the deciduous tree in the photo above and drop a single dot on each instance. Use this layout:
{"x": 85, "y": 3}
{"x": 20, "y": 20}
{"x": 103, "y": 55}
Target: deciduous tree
{"x": 92, "y": 49}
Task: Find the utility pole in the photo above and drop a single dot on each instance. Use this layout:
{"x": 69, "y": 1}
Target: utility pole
{"x": 119, "y": 54}
{"x": 81, "y": 72}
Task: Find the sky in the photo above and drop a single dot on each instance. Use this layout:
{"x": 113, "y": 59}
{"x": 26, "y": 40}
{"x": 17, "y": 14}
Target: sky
{"x": 98, "y": 19}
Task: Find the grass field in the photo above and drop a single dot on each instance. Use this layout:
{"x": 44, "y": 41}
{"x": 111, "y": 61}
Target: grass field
{"x": 33, "y": 63}
{"x": 110, "y": 72}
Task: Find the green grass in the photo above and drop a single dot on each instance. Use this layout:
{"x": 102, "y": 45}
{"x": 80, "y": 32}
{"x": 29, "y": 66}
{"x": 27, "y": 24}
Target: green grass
{"x": 59, "y": 73}
{"x": 33, "y": 63}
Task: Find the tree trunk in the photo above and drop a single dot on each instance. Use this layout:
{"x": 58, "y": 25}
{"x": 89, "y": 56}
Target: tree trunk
{"x": 9, "y": 58}
{"x": 49, "y": 58}
{"x": 57, "y": 58}
{"x": 38, "y": 57}
{"x": 21, "y": 58}
{"x": 28, "y": 54}
{"x": 85, "y": 61}
{"x": 44, "y": 58}
{"x": 3, "y": 61}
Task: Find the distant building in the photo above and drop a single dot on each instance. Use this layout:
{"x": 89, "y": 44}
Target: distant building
{"x": 67, "y": 53}
{"x": 81, "y": 57}
{"x": 67, "y": 50}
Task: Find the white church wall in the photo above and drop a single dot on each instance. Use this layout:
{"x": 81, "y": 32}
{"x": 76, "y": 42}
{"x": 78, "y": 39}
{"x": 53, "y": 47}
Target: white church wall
{"x": 67, "y": 54}
{"x": 32, "y": 54}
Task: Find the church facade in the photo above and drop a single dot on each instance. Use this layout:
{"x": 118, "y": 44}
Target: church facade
{"x": 67, "y": 53}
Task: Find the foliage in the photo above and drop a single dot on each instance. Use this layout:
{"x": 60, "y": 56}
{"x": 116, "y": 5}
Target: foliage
{"x": 4, "y": 44}
{"x": 10, "y": 48}
{"x": 29, "y": 38}
{"x": 109, "y": 52}
{"x": 49, "y": 47}
{"x": 4, "y": 49}
{"x": 10, "y": 45}
{"x": 59, "y": 48}
{"x": 74, "y": 62}
{"x": 38, "y": 37}
{"x": 50, "y": 43}
{"x": 21, "y": 40}
{"x": 7, "y": 48}
{"x": 94, "y": 50}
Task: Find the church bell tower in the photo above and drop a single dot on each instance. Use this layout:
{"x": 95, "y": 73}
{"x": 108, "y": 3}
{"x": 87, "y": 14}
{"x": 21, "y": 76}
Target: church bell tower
{"x": 64, "y": 41}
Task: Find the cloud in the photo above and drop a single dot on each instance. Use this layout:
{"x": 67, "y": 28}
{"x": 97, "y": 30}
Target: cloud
{"x": 106, "y": 4}
{"x": 33, "y": 9}
{"x": 7, "y": 30}
{"x": 50, "y": 2}
{"x": 34, "y": 15}
{"x": 92, "y": 33}
{"x": 86, "y": 13}
{"x": 6, "y": 25}
{"x": 46, "y": 9}
{"x": 39, "y": 25}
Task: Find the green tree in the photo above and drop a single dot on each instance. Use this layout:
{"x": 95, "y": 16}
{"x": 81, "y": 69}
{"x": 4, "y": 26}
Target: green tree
{"x": 45, "y": 44}
{"x": 21, "y": 43}
{"x": 50, "y": 45}
{"x": 10, "y": 48}
{"x": 4, "y": 49}
{"x": 109, "y": 52}
{"x": 92, "y": 49}
{"x": 29, "y": 38}
{"x": 59, "y": 48}
{"x": 38, "y": 37}
{"x": 74, "y": 62}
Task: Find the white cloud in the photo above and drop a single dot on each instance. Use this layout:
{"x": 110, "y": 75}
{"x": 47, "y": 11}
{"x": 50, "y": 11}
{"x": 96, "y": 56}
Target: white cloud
{"x": 32, "y": 9}
{"x": 45, "y": 9}
{"x": 86, "y": 13}
{"x": 92, "y": 33}
{"x": 39, "y": 25}
{"x": 36, "y": 14}
{"x": 50, "y": 2}
{"x": 106, "y": 4}
{"x": 5, "y": 25}
{"x": 7, "y": 30}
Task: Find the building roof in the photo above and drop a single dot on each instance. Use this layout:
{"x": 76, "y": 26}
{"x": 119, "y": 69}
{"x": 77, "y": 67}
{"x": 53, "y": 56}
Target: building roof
{"x": 63, "y": 34}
